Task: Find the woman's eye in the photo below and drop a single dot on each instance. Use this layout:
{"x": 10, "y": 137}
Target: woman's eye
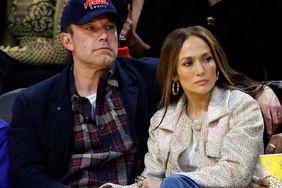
{"x": 187, "y": 63}
{"x": 208, "y": 59}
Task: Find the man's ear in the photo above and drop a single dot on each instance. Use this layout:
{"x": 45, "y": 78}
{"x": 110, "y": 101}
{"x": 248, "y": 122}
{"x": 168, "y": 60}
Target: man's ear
{"x": 66, "y": 40}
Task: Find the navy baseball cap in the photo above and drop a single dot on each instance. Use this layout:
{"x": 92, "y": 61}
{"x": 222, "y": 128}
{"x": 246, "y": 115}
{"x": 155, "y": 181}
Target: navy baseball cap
{"x": 80, "y": 12}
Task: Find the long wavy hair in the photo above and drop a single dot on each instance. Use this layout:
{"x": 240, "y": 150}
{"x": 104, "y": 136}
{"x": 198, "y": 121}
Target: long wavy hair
{"x": 228, "y": 78}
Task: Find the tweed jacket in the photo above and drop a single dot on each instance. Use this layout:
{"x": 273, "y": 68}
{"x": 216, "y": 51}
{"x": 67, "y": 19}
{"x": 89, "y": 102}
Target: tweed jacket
{"x": 228, "y": 148}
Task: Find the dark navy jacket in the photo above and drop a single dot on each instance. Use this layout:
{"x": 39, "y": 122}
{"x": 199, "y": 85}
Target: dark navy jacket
{"x": 41, "y": 134}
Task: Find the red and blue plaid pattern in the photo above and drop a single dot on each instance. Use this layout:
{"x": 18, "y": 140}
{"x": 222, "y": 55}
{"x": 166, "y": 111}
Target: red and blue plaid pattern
{"x": 104, "y": 150}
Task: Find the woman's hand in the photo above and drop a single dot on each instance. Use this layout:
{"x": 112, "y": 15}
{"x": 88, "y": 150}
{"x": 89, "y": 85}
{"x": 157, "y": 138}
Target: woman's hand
{"x": 274, "y": 145}
{"x": 151, "y": 183}
{"x": 262, "y": 183}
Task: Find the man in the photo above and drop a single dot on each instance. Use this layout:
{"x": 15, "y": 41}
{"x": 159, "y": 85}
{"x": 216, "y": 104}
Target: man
{"x": 87, "y": 125}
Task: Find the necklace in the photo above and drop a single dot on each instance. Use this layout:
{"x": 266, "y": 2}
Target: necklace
{"x": 197, "y": 124}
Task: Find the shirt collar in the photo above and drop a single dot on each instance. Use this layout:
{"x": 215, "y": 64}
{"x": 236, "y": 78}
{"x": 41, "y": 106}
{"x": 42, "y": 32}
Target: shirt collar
{"x": 109, "y": 75}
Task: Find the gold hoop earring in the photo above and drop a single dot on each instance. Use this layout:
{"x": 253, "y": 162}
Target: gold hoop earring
{"x": 174, "y": 90}
{"x": 217, "y": 75}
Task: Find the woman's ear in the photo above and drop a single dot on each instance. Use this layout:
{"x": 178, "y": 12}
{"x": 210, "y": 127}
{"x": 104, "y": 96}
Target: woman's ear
{"x": 66, "y": 40}
{"x": 174, "y": 78}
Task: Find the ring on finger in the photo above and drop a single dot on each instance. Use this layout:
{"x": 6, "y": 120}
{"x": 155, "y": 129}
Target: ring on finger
{"x": 272, "y": 145}
{"x": 122, "y": 37}
{"x": 139, "y": 180}
{"x": 140, "y": 183}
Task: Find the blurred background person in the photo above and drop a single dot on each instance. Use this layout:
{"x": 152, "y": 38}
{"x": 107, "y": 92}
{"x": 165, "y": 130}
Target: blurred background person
{"x": 31, "y": 50}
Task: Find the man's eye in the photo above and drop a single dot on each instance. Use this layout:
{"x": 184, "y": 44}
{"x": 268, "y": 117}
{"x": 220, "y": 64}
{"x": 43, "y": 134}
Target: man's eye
{"x": 109, "y": 27}
{"x": 90, "y": 28}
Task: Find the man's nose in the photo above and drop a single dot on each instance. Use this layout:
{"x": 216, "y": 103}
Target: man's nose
{"x": 103, "y": 35}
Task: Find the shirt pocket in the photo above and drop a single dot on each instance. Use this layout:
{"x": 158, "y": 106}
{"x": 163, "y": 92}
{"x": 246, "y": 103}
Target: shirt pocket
{"x": 214, "y": 148}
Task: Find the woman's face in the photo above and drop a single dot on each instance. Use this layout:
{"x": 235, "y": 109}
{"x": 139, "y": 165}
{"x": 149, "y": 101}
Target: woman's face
{"x": 196, "y": 68}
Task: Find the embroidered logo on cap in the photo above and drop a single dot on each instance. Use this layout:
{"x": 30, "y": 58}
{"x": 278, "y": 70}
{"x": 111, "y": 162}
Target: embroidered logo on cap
{"x": 92, "y": 4}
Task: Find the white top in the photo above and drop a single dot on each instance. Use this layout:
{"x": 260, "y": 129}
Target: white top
{"x": 92, "y": 99}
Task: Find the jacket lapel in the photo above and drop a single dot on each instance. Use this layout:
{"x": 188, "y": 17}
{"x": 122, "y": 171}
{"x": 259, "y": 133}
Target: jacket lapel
{"x": 129, "y": 91}
{"x": 61, "y": 106}
{"x": 218, "y": 106}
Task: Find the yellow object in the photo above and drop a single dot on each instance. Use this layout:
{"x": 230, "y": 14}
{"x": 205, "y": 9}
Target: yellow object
{"x": 272, "y": 167}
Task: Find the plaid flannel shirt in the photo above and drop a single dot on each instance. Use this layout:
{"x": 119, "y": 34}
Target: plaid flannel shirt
{"x": 104, "y": 150}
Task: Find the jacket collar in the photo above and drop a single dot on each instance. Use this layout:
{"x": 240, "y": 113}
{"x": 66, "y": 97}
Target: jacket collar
{"x": 217, "y": 108}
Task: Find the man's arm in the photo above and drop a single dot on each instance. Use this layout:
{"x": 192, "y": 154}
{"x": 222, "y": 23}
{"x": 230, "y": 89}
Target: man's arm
{"x": 271, "y": 109}
{"x": 29, "y": 161}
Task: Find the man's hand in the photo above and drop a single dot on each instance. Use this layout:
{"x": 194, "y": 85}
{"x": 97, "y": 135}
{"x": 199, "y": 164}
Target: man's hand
{"x": 137, "y": 47}
{"x": 275, "y": 144}
{"x": 271, "y": 109}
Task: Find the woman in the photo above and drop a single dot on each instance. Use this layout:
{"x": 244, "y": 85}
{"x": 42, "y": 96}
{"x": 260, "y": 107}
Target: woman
{"x": 206, "y": 129}
{"x": 207, "y": 133}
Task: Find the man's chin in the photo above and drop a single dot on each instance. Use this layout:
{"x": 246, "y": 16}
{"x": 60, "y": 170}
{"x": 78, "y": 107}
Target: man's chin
{"x": 107, "y": 59}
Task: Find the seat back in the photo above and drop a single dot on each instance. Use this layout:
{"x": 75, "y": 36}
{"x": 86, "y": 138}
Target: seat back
{"x": 6, "y": 103}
